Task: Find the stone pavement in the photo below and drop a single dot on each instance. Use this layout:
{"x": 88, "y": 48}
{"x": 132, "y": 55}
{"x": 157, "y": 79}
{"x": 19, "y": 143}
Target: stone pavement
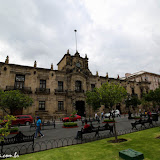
{"x": 122, "y": 123}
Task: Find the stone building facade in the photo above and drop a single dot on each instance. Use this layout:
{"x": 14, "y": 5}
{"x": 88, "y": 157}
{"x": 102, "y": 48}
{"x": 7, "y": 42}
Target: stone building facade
{"x": 143, "y": 76}
{"x": 59, "y": 92}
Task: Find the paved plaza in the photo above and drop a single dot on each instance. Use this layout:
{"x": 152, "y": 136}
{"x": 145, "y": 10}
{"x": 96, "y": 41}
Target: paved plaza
{"x": 122, "y": 123}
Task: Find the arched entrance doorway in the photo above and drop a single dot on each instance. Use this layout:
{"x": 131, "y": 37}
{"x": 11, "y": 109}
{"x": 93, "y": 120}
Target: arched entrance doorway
{"x": 80, "y": 107}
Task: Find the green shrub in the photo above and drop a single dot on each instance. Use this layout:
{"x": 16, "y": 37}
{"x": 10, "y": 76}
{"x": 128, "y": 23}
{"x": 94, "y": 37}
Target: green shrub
{"x": 136, "y": 117}
{"x": 15, "y": 129}
{"x": 69, "y": 124}
{"x": 109, "y": 120}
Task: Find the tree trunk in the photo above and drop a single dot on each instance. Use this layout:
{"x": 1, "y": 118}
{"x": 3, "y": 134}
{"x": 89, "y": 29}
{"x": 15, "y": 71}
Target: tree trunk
{"x": 115, "y": 133}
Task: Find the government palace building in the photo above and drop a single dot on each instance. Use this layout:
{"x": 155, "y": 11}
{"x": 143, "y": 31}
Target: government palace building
{"x": 57, "y": 93}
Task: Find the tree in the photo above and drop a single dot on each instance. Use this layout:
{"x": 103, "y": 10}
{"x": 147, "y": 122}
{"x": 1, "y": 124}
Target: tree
{"x": 93, "y": 99}
{"x": 108, "y": 94}
{"x": 111, "y": 94}
{"x": 5, "y": 129}
{"x": 13, "y": 100}
{"x": 132, "y": 100}
{"x": 153, "y": 96}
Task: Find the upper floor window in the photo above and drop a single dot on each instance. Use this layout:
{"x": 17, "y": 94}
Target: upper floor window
{"x": 60, "y": 85}
{"x": 92, "y": 87}
{"x": 19, "y": 81}
{"x": 41, "y": 105}
{"x": 42, "y": 84}
{"x": 78, "y": 86}
{"x": 60, "y": 106}
{"x": 146, "y": 78}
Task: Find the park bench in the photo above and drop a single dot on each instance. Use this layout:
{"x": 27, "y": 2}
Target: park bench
{"x": 92, "y": 129}
{"x": 19, "y": 138}
{"x": 91, "y": 120}
{"x": 142, "y": 122}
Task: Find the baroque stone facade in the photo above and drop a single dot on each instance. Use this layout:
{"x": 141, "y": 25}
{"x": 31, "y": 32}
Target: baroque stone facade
{"x": 59, "y": 92}
{"x": 143, "y": 76}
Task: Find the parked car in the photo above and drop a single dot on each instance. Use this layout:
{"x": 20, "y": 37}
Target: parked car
{"x": 21, "y": 120}
{"x": 115, "y": 112}
{"x": 67, "y": 119}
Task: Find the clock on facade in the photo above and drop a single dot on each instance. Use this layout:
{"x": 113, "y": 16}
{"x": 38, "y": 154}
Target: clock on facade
{"x": 78, "y": 64}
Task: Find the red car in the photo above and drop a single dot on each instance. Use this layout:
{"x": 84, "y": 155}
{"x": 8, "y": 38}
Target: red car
{"x": 22, "y": 119}
{"x": 67, "y": 119}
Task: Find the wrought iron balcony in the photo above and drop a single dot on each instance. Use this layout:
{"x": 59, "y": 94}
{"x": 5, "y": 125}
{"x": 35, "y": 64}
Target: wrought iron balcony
{"x": 23, "y": 89}
{"x": 60, "y": 91}
{"x": 79, "y": 91}
{"x": 42, "y": 91}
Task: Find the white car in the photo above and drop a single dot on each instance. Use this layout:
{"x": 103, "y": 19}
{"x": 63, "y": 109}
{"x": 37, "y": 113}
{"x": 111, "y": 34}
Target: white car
{"x": 115, "y": 112}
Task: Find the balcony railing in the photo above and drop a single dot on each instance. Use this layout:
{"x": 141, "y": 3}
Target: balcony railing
{"x": 23, "y": 89}
{"x": 79, "y": 91}
{"x": 60, "y": 91}
{"x": 42, "y": 91}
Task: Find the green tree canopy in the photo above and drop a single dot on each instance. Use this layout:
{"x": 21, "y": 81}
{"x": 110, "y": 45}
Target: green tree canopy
{"x": 12, "y": 100}
{"x": 153, "y": 96}
{"x": 132, "y": 100}
{"x": 108, "y": 94}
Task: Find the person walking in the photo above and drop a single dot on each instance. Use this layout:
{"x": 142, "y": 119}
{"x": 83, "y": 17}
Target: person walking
{"x": 102, "y": 115}
{"x": 38, "y": 127}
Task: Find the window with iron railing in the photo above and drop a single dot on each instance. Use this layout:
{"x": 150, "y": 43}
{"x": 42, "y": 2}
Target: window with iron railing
{"x": 60, "y": 85}
{"x": 60, "y": 106}
{"x": 19, "y": 81}
{"x": 42, "y": 84}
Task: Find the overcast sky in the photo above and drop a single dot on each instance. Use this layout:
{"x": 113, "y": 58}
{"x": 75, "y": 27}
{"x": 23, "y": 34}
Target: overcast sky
{"x": 118, "y": 36}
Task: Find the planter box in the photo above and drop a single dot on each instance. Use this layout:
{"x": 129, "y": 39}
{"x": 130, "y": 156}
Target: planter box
{"x": 130, "y": 154}
{"x": 109, "y": 122}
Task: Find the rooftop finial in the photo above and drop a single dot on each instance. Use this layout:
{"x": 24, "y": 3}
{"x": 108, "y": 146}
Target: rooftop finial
{"x": 7, "y": 60}
{"x": 35, "y": 64}
{"x": 85, "y": 55}
{"x": 118, "y": 76}
{"x": 51, "y": 66}
{"x": 107, "y": 75}
{"x": 68, "y": 51}
{"x": 96, "y": 73}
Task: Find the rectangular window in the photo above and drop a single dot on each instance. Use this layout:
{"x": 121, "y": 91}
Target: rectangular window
{"x": 42, "y": 84}
{"x": 19, "y": 81}
{"x": 92, "y": 87}
{"x": 60, "y": 85}
{"x": 78, "y": 86}
{"x": 60, "y": 106}
{"x": 41, "y": 105}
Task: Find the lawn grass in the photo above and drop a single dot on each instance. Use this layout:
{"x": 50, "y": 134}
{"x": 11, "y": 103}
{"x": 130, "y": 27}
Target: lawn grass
{"x": 142, "y": 141}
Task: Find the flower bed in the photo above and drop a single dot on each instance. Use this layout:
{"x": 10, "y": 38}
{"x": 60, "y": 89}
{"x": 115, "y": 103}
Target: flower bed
{"x": 69, "y": 125}
{"x": 109, "y": 121}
